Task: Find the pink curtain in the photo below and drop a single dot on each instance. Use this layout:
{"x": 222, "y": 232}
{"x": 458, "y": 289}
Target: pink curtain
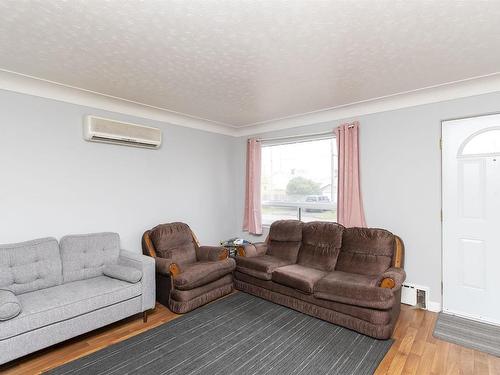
{"x": 252, "y": 221}
{"x": 349, "y": 202}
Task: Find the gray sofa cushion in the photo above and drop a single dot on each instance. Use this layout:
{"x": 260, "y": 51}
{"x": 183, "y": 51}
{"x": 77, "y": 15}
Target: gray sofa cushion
{"x": 48, "y": 306}
{"x": 84, "y": 256}
{"x": 129, "y": 274}
{"x": 29, "y": 266}
{"x": 9, "y": 305}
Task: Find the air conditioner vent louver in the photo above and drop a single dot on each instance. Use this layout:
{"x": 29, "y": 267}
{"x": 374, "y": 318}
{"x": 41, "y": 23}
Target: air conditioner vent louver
{"x": 98, "y": 129}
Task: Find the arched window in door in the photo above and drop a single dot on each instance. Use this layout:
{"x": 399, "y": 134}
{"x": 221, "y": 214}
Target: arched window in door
{"x": 483, "y": 143}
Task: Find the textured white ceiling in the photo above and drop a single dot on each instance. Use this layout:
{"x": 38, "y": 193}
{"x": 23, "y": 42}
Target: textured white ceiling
{"x": 242, "y": 62}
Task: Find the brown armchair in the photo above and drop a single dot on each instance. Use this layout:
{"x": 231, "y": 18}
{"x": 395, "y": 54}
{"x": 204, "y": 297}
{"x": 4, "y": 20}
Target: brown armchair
{"x": 187, "y": 275}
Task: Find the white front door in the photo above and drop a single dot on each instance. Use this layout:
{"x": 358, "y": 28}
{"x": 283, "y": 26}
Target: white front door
{"x": 471, "y": 218}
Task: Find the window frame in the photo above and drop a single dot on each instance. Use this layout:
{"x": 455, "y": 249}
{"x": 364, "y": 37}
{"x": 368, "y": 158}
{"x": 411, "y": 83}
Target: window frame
{"x": 465, "y": 143}
{"x": 302, "y": 205}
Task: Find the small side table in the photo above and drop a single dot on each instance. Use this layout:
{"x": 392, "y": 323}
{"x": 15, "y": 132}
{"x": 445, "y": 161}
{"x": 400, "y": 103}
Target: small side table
{"x": 232, "y": 249}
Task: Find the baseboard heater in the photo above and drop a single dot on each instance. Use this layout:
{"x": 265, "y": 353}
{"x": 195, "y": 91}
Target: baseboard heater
{"x": 415, "y": 295}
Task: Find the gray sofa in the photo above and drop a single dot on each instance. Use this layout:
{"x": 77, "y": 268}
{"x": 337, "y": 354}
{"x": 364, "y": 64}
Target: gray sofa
{"x": 50, "y": 291}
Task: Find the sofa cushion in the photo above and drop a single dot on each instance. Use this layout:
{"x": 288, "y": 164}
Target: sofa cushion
{"x": 255, "y": 249}
{"x": 284, "y": 239}
{"x": 174, "y": 241}
{"x": 374, "y": 316}
{"x": 211, "y": 253}
{"x": 201, "y": 273}
{"x": 266, "y": 276}
{"x": 351, "y": 278}
{"x": 367, "y": 251}
{"x": 261, "y": 266}
{"x": 354, "y": 289}
{"x": 85, "y": 255}
{"x": 321, "y": 243}
{"x": 286, "y": 231}
{"x": 48, "y": 306}
{"x": 298, "y": 277}
{"x": 30, "y": 266}
{"x": 188, "y": 295}
{"x": 128, "y": 274}
{"x": 10, "y": 307}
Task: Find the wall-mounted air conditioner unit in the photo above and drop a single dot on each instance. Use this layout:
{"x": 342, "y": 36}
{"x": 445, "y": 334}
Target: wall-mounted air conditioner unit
{"x": 98, "y": 129}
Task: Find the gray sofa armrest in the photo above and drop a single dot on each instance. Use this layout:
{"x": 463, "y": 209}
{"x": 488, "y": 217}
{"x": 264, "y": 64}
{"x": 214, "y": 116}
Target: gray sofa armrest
{"x": 253, "y": 250}
{"x": 147, "y": 266}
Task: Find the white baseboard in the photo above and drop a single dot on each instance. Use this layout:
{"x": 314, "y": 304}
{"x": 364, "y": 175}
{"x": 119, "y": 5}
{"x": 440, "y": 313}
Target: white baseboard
{"x": 434, "y": 306}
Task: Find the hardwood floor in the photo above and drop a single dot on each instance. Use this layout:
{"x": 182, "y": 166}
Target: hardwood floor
{"x": 85, "y": 344}
{"x": 415, "y": 350}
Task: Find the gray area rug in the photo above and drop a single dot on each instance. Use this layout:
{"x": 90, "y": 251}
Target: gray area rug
{"x": 239, "y": 334}
{"x": 469, "y": 333}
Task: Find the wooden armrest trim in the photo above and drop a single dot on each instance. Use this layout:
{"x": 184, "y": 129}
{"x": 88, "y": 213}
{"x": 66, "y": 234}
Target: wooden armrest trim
{"x": 148, "y": 247}
{"x": 398, "y": 253}
{"x": 174, "y": 269}
{"x": 195, "y": 239}
{"x": 224, "y": 254}
{"x": 240, "y": 251}
{"x": 388, "y": 283}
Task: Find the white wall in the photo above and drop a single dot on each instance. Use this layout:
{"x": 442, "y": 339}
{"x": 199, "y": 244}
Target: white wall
{"x": 400, "y": 176}
{"x": 54, "y": 183}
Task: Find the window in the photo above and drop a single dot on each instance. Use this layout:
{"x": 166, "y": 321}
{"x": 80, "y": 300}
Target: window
{"x": 299, "y": 179}
{"x": 485, "y": 142}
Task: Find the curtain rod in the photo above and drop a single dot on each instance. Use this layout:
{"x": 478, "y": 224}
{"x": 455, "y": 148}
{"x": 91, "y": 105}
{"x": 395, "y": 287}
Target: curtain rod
{"x": 295, "y": 136}
{"x": 331, "y": 132}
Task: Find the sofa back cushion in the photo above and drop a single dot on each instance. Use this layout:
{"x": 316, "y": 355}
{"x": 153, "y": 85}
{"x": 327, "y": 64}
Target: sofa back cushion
{"x": 366, "y": 251}
{"x": 85, "y": 255}
{"x": 321, "y": 243}
{"x": 174, "y": 241}
{"x": 284, "y": 239}
{"x": 29, "y": 266}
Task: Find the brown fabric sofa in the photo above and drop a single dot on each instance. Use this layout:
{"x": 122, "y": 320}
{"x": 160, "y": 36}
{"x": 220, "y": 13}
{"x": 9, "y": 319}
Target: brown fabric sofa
{"x": 187, "y": 275}
{"x": 348, "y": 276}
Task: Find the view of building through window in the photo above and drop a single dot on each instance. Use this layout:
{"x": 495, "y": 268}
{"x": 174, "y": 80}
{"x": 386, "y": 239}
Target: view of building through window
{"x": 299, "y": 181}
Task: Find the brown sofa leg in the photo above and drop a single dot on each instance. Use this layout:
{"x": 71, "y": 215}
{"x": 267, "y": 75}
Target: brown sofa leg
{"x": 145, "y": 316}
